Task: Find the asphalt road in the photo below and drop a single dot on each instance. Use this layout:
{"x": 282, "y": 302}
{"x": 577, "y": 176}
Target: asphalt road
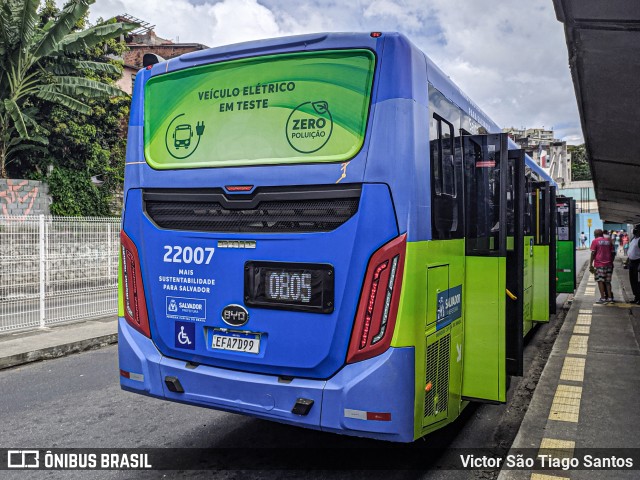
{"x": 76, "y": 402}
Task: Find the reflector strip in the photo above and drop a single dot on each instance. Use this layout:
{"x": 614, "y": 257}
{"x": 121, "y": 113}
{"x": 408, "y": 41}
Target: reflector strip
{"x": 358, "y": 414}
{"x": 138, "y": 377}
{"x": 380, "y": 416}
{"x": 362, "y": 415}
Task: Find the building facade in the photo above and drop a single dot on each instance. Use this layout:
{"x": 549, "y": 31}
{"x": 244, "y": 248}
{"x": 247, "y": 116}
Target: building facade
{"x": 144, "y": 40}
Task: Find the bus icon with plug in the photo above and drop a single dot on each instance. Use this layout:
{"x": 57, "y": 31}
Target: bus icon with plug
{"x": 182, "y": 136}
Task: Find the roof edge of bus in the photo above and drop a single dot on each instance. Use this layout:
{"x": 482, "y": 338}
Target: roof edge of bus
{"x": 280, "y": 43}
{"x": 539, "y": 170}
{"x": 440, "y": 80}
{"x": 445, "y": 85}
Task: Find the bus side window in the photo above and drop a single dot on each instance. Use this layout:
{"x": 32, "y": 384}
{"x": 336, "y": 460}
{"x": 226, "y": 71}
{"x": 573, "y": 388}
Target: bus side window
{"x": 528, "y": 204}
{"x": 435, "y": 154}
{"x": 446, "y": 175}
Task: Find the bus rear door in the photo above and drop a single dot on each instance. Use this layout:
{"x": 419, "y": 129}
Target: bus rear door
{"x": 494, "y": 191}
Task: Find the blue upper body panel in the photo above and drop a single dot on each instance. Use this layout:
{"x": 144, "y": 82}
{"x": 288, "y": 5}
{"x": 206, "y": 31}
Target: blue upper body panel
{"x": 399, "y": 103}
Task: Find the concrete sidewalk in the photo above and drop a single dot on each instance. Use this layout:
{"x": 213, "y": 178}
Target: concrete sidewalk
{"x": 587, "y": 397}
{"x": 33, "y": 345}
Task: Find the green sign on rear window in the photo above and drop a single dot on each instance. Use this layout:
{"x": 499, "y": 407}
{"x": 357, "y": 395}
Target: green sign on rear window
{"x": 288, "y": 108}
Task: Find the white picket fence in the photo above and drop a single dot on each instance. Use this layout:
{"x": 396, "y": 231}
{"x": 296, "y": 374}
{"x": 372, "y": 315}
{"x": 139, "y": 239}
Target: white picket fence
{"x": 57, "y": 269}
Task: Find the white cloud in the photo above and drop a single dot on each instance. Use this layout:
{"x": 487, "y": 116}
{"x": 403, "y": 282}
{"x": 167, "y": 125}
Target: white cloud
{"x": 512, "y": 58}
{"x": 242, "y": 20}
{"x": 509, "y": 56}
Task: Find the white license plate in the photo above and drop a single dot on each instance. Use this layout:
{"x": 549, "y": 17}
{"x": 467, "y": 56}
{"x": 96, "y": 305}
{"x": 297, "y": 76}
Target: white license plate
{"x": 237, "y": 343}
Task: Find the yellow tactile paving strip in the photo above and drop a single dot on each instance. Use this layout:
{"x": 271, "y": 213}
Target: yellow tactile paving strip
{"x": 582, "y": 329}
{"x": 566, "y": 404}
{"x": 578, "y": 345}
{"x": 584, "y": 319}
{"x": 539, "y": 476}
{"x": 573, "y": 369}
{"x": 557, "y": 448}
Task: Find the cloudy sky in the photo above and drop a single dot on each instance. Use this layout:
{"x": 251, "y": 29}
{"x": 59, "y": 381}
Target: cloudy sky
{"x": 509, "y": 56}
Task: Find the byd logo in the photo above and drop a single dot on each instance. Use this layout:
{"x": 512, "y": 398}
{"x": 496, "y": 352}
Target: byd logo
{"x": 235, "y": 315}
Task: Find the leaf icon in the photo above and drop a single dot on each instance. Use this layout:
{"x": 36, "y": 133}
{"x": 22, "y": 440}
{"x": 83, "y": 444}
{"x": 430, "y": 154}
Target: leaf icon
{"x": 320, "y": 107}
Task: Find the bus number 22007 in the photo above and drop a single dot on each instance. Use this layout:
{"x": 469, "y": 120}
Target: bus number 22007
{"x": 178, "y": 254}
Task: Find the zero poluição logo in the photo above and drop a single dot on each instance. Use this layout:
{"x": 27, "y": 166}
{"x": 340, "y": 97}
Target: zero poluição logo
{"x": 182, "y": 137}
{"x": 309, "y": 126}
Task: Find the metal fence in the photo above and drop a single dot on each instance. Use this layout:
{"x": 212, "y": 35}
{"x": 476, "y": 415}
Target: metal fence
{"x": 57, "y": 269}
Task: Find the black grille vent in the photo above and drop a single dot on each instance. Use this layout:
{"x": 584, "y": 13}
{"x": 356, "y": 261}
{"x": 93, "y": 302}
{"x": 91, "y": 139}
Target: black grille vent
{"x": 436, "y": 400}
{"x": 267, "y": 210}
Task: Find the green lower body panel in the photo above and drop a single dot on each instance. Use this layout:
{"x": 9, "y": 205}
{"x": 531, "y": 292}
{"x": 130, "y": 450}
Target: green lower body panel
{"x": 484, "y": 373}
{"x": 565, "y": 267}
{"x": 430, "y": 319}
{"x": 540, "y": 305}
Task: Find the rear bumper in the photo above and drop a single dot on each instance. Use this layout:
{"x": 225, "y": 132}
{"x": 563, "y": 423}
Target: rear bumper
{"x": 383, "y": 384}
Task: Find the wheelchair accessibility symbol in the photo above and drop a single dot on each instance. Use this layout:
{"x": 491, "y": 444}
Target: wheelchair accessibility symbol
{"x": 185, "y": 335}
{"x": 183, "y": 338}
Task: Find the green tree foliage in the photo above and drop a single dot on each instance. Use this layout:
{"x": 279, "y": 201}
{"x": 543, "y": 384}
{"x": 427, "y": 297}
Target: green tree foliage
{"x": 579, "y": 163}
{"x": 60, "y": 113}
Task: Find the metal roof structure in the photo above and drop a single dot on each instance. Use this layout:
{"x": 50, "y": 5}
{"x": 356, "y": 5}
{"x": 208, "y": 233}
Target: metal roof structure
{"x": 603, "y": 41}
{"x": 145, "y": 27}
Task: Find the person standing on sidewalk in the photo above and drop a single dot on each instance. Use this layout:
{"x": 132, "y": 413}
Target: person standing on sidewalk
{"x": 625, "y": 243}
{"x": 634, "y": 264}
{"x": 583, "y": 240}
{"x": 602, "y": 260}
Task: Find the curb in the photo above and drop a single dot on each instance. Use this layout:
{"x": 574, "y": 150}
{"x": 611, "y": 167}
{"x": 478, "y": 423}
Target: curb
{"x": 534, "y": 426}
{"x": 58, "y": 351}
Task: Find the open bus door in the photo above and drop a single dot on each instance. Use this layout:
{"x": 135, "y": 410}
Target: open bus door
{"x": 494, "y": 191}
{"x": 515, "y": 263}
{"x": 541, "y": 251}
{"x": 566, "y": 244}
{"x": 552, "y": 251}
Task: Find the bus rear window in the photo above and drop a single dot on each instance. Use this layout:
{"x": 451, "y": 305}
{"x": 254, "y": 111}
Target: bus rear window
{"x": 278, "y": 109}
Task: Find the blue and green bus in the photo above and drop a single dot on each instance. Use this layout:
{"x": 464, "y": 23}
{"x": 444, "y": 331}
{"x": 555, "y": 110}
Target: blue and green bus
{"x": 341, "y": 240}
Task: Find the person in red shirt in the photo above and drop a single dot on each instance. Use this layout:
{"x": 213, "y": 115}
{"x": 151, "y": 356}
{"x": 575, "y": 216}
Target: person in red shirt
{"x": 602, "y": 260}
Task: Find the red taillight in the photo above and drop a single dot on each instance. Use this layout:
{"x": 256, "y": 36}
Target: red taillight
{"x": 135, "y": 306}
{"x": 238, "y": 188}
{"x": 378, "y": 306}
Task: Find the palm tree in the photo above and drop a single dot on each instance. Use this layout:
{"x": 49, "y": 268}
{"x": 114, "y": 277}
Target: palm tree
{"x": 36, "y": 63}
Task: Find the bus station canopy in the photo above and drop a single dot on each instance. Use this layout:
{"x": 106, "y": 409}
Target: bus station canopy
{"x": 603, "y": 41}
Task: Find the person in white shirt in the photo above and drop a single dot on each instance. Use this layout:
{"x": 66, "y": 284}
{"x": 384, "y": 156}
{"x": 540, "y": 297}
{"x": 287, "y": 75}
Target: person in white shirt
{"x": 634, "y": 264}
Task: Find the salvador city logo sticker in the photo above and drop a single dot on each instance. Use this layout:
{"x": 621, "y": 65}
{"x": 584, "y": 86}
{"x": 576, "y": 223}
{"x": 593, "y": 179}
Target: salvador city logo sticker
{"x": 309, "y": 126}
{"x": 182, "y": 137}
